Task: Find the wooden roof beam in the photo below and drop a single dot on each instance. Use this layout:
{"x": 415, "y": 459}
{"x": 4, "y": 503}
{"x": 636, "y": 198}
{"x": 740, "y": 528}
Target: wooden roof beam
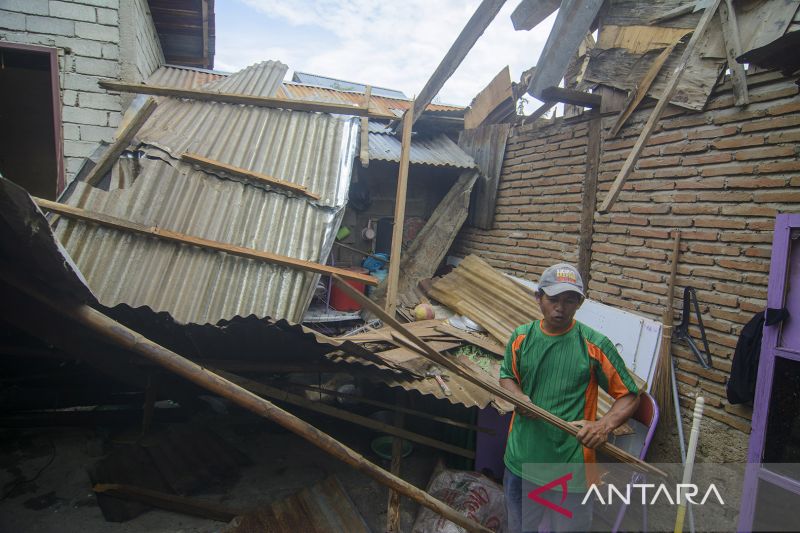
{"x": 244, "y": 99}
{"x": 530, "y": 13}
{"x": 571, "y": 96}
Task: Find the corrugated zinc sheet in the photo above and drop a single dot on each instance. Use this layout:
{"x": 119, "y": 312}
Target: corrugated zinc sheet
{"x": 320, "y": 508}
{"x": 437, "y": 151}
{"x": 198, "y": 285}
{"x": 183, "y": 77}
{"x": 333, "y": 83}
{"x": 260, "y": 79}
{"x": 378, "y": 103}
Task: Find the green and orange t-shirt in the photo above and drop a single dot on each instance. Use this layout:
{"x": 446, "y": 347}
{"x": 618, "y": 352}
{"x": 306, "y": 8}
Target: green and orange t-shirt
{"x": 559, "y": 373}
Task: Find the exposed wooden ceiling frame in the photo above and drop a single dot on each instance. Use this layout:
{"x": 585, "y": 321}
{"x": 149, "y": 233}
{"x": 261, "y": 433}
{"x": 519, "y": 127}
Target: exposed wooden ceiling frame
{"x": 530, "y": 13}
{"x": 571, "y": 96}
{"x": 474, "y": 28}
{"x": 661, "y": 105}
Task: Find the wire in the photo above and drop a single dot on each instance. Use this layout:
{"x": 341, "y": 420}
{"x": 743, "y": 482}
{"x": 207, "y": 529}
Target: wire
{"x": 35, "y": 477}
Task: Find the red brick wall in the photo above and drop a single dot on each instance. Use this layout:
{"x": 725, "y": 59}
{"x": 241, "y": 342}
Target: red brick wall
{"x": 719, "y": 177}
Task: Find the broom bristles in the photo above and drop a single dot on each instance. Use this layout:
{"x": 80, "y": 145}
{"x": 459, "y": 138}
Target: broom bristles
{"x": 662, "y": 378}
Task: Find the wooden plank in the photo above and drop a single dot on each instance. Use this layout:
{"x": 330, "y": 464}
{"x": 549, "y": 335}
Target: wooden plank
{"x": 589, "y": 199}
{"x": 538, "y": 113}
{"x": 244, "y": 99}
{"x": 642, "y": 88}
{"x": 128, "y": 339}
{"x": 480, "y": 342}
{"x": 493, "y": 95}
{"x": 294, "y": 399}
{"x": 733, "y": 49}
{"x": 521, "y": 403}
{"x": 474, "y": 28}
{"x": 124, "y": 138}
{"x": 393, "y": 278}
{"x": 248, "y": 174}
{"x": 170, "y": 502}
{"x": 644, "y": 136}
{"x": 174, "y": 236}
{"x": 363, "y": 154}
{"x": 573, "y": 22}
{"x": 530, "y": 13}
{"x": 571, "y": 96}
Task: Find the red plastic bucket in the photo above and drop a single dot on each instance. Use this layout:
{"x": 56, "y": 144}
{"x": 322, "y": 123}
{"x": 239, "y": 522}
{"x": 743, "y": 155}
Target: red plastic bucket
{"x": 341, "y": 301}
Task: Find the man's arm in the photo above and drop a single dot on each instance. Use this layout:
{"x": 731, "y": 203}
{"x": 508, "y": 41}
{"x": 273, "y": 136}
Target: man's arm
{"x": 593, "y": 434}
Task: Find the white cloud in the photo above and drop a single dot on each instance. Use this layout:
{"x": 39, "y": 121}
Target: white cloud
{"x": 385, "y": 43}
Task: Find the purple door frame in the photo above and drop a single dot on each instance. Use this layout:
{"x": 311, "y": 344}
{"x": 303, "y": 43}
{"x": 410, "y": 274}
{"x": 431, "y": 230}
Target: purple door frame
{"x": 55, "y": 88}
{"x": 772, "y": 346}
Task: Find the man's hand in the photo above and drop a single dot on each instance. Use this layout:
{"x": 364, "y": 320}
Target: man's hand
{"x": 592, "y": 434}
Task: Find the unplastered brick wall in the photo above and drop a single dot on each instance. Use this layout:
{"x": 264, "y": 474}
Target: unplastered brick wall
{"x": 538, "y": 211}
{"x": 87, "y": 36}
{"x": 719, "y": 176}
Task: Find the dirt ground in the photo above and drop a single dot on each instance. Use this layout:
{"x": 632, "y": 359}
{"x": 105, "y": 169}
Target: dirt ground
{"x": 61, "y": 497}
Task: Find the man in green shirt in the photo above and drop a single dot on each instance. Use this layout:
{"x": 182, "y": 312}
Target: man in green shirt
{"x": 558, "y": 363}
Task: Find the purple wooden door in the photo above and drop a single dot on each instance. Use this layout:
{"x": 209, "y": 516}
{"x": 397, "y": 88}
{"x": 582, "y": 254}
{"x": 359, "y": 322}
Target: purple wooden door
{"x": 774, "y": 451}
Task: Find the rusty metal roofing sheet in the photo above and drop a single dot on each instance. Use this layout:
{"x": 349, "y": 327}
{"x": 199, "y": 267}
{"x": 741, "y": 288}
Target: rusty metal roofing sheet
{"x": 260, "y": 79}
{"x": 197, "y": 285}
{"x": 378, "y": 103}
{"x": 438, "y": 151}
{"x": 183, "y": 77}
{"x": 322, "y": 507}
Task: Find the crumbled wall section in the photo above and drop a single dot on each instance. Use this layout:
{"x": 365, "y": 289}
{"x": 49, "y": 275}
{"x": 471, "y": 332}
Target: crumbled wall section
{"x": 538, "y": 210}
{"x": 719, "y": 177}
{"x": 87, "y": 36}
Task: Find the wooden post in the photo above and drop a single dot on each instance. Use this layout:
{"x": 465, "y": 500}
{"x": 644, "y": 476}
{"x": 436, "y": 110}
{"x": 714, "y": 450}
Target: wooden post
{"x": 364, "y": 152}
{"x": 393, "y": 510}
{"x": 399, "y": 216}
{"x": 589, "y": 199}
{"x": 522, "y": 403}
{"x": 174, "y": 236}
{"x": 661, "y": 106}
{"x": 128, "y": 339}
{"x": 123, "y": 140}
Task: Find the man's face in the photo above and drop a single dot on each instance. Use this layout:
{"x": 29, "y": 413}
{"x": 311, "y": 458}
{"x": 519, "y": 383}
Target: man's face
{"x": 558, "y": 311}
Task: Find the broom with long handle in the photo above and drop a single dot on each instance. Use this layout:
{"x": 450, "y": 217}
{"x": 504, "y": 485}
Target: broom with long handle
{"x": 662, "y": 377}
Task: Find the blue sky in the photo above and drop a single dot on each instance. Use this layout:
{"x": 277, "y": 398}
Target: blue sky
{"x": 394, "y": 44}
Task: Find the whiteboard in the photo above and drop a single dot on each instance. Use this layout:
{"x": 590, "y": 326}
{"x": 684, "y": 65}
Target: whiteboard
{"x": 636, "y": 337}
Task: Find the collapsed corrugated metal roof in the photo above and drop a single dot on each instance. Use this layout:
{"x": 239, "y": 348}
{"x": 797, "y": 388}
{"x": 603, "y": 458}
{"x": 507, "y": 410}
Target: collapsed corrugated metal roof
{"x": 436, "y": 150}
{"x": 343, "y": 85}
{"x": 197, "y": 285}
{"x": 183, "y": 77}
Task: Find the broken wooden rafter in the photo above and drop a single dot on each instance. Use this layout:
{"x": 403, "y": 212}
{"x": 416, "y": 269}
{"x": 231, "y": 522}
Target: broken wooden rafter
{"x": 285, "y": 396}
{"x": 244, "y": 99}
{"x": 124, "y": 138}
{"x": 733, "y": 49}
{"x": 124, "y": 337}
{"x": 522, "y": 403}
{"x": 637, "y": 95}
{"x": 363, "y": 154}
{"x": 247, "y": 174}
{"x": 169, "y": 502}
{"x": 571, "y": 96}
{"x": 659, "y": 109}
{"x": 573, "y": 22}
{"x": 181, "y": 238}
{"x": 529, "y": 13}
{"x": 493, "y": 104}
{"x": 474, "y": 28}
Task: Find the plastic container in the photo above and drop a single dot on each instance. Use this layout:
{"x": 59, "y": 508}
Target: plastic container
{"x": 341, "y": 301}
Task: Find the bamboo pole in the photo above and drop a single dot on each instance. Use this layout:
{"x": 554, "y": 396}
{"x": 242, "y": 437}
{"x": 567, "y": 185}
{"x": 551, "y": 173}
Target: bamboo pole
{"x": 129, "y": 339}
{"x": 521, "y": 402}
